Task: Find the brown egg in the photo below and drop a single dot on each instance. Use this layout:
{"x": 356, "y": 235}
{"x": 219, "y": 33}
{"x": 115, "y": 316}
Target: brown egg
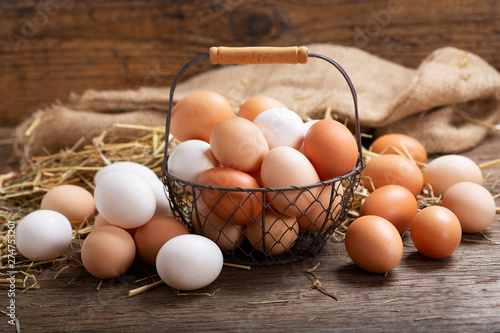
{"x": 473, "y": 205}
{"x": 392, "y": 170}
{"x": 436, "y": 232}
{"x": 150, "y": 237}
{"x": 283, "y": 167}
{"x": 108, "y": 252}
{"x": 74, "y": 202}
{"x": 400, "y": 144}
{"x": 374, "y": 244}
{"x": 448, "y": 170}
{"x": 224, "y": 233}
{"x": 314, "y": 217}
{"x": 194, "y": 116}
{"x": 238, "y": 206}
{"x": 238, "y": 143}
{"x": 99, "y": 222}
{"x": 395, "y": 203}
{"x": 331, "y": 148}
{"x": 280, "y": 233}
{"x": 256, "y": 105}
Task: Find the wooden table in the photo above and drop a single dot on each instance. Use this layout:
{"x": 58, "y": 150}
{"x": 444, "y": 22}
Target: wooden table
{"x": 457, "y": 294}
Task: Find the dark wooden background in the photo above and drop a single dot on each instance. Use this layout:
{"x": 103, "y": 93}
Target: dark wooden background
{"x": 50, "y": 48}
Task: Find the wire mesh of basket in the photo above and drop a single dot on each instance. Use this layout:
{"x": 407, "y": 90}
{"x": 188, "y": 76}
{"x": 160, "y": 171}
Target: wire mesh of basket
{"x": 268, "y": 237}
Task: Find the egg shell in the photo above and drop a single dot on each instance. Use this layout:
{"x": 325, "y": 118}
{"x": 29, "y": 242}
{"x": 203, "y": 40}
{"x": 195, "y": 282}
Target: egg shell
{"x": 473, "y": 205}
{"x": 189, "y": 262}
{"x": 74, "y": 202}
{"x": 238, "y": 143}
{"x": 314, "y": 218}
{"x": 99, "y": 222}
{"x": 150, "y": 237}
{"x": 448, "y": 170}
{"x": 395, "y": 203}
{"x": 195, "y": 115}
{"x": 189, "y": 159}
{"x": 254, "y": 106}
{"x": 392, "y": 170}
{"x": 400, "y": 144}
{"x": 374, "y": 244}
{"x": 238, "y": 206}
{"x": 125, "y": 199}
{"x": 278, "y": 232}
{"x": 285, "y": 166}
{"x": 108, "y": 252}
{"x": 227, "y": 235}
{"x": 43, "y": 235}
{"x": 436, "y": 232}
{"x": 307, "y": 126}
{"x": 281, "y": 127}
{"x": 159, "y": 190}
{"x": 331, "y": 148}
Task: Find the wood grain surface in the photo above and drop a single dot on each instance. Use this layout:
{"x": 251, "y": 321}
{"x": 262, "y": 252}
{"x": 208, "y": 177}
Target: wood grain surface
{"x": 457, "y": 294}
{"x": 51, "y": 48}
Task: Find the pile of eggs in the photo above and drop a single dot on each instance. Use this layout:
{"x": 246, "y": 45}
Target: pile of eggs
{"x": 395, "y": 176}
{"x": 134, "y": 218}
{"x": 266, "y": 145}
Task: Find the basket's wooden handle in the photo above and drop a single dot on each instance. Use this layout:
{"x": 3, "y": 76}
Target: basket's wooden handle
{"x": 258, "y": 55}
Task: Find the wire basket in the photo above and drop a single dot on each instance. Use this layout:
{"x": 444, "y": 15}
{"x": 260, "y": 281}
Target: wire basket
{"x": 271, "y": 238}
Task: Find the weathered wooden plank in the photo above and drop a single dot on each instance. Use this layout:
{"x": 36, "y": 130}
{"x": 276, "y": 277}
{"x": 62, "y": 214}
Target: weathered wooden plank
{"x": 50, "y": 48}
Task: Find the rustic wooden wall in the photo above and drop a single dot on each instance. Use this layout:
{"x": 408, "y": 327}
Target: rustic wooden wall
{"x": 49, "y": 48}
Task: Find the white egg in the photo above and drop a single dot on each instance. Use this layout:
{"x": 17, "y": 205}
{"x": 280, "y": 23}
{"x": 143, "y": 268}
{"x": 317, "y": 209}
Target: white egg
{"x": 125, "y": 199}
{"x": 43, "y": 235}
{"x": 307, "y": 126}
{"x": 281, "y": 127}
{"x": 161, "y": 194}
{"x": 189, "y": 262}
{"x": 190, "y": 158}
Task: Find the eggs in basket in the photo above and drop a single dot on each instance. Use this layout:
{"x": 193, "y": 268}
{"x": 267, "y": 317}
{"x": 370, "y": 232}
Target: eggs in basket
{"x": 263, "y": 184}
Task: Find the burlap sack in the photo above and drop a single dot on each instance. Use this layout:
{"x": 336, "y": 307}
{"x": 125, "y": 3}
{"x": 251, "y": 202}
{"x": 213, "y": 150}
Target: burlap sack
{"x": 428, "y": 103}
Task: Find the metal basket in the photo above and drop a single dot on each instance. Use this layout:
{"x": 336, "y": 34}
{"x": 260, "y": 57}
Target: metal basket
{"x": 188, "y": 199}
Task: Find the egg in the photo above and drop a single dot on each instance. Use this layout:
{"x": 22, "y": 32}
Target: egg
{"x": 189, "y": 262}
{"x": 43, "y": 235}
{"x": 281, "y": 127}
{"x": 238, "y": 143}
{"x": 227, "y": 235}
{"x": 252, "y": 107}
{"x": 274, "y": 234}
{"x": 74, "y": 202}
{"x": 189, "y": 159}
{"x": 400, "y": 144}
{"x": 473, "y": 205}
{"x": 195, "y": 115}
{"x": 374, "y": 244}
{"x": 392, "y": 170}
{"x": 160, "y": 193}
{"x": 125, "y": 199}
{"x": 99, "y": 222}
{"x": 314, "y": 218}
{"x": 150, "y": 237}
{"x": 331, "y": 148}
{"x": 436, "y": 232}
{"x": 307, "y": 126}
{"x": 108, "y": 252}
{"x": 395, "y": 203}
{"x": 447, "y": 170}
{"x": 285, "y": 166}
{"x": 238, "y": 206}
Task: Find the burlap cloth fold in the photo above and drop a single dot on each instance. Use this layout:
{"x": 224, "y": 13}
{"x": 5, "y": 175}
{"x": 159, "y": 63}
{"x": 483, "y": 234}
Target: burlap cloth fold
{"x": 433, "y": 103}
